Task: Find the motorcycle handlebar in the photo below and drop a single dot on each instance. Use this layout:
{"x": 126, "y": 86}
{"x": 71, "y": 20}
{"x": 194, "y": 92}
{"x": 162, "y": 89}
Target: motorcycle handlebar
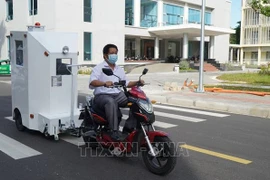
{"x": 117, "y": 85}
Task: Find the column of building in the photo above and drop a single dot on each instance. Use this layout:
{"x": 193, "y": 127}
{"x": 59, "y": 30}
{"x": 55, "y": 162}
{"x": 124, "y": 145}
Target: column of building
{"x": 185, "y": 35}
{"x": 238, "y": 55}
{"x": 159, "y": 24}
{"x": 137, "y": 23}
{"x": 259, "y": 55}
{"x": 211, "y": 47}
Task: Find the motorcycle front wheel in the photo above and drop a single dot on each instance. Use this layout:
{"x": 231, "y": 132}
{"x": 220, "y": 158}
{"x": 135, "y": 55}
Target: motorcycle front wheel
{"x": 165, "y": 160}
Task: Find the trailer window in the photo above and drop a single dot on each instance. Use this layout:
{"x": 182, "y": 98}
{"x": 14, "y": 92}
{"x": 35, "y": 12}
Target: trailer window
{"x": 19, "y": 52}
{"x": 61, "y": 66}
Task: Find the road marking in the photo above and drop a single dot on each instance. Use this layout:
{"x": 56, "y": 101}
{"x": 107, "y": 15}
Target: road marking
{"x": 179, "y": 117}
{"x": 191, "y": 111}
{"x": 77, "y": 141}
{"x": 10, "y": 118}
{"x": 216, "y": 154}
{"x": 7, "y": 82}
{"x": 157, "y": 123}
{"x": 70, "y": 139}
{"x": 15, "y": 149}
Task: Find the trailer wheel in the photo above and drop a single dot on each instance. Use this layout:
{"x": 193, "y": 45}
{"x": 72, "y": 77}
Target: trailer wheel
{"x": 18, "y": 120}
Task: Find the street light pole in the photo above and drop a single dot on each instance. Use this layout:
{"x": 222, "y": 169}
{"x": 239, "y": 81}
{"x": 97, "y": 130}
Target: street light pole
{"x": 200, "y": 88}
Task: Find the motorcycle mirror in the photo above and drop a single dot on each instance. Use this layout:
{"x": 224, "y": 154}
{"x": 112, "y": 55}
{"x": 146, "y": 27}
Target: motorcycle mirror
{"x": 145, "y": 71}
{"x": 107, "y": 71}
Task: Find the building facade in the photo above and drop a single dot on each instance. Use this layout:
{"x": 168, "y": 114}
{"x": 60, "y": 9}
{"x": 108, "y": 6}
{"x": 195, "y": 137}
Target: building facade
{"x": 255, "y": 36}
{"x": 150, "y": 29}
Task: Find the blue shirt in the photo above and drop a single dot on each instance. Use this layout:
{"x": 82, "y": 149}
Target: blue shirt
{"x": 97, "y": 74}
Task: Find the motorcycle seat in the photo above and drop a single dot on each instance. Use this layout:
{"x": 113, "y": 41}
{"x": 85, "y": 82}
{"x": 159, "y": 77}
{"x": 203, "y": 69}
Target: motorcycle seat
{"x": 98, "y": 115}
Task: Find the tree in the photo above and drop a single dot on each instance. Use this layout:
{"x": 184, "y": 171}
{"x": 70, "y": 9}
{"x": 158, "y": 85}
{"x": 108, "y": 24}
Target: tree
{"x": 238, "y": 32}
{"x": 235, "y": 38}
{"x": 261, "y": 6}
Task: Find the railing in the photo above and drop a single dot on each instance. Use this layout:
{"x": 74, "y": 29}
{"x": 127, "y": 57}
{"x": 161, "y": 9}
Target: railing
{"x": 196, "y": 22}
{"x": 255, "y": 61}
{"x": 173, "y": 19}
{"x": 251, "y": 41}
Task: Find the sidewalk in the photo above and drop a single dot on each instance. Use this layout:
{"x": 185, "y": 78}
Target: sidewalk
{"x": 236, "y": 103}
{"x": 226, "y": 102}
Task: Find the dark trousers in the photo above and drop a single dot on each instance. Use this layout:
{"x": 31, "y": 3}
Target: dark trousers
{"x": 110, "y": 103}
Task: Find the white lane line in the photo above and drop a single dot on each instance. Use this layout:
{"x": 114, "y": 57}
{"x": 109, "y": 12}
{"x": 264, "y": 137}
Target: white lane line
{"x": 77, "y": 141}
{"x": 10, "y": 118}
{"x": 70, "y": 139}
{"x": 7, "y": 82}
{"x": 164, "y": 125}
{"x": 179, "y": 117}
{"x": 191, "y": 111}
{"x": 15, "y": 149}
{"x": 157, "y": 123}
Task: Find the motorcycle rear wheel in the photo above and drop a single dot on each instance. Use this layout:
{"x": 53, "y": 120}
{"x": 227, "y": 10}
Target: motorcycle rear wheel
{"x": 86, "y": 126}
{"x": 167, "y": 153}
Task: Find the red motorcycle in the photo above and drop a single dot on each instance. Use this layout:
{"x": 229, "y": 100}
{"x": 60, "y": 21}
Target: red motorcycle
{"x": 158, "y": 151}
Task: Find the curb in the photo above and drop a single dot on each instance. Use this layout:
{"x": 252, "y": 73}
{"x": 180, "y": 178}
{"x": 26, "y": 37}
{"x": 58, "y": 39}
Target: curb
{"x": 256, "y": 111}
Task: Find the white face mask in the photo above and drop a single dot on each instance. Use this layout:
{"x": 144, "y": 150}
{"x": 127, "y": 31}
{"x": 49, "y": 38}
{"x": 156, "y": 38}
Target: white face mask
{"x": 112, "y": 58}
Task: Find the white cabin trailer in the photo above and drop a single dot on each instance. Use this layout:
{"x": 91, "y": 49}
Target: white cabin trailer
{"x": 44, "y": 98}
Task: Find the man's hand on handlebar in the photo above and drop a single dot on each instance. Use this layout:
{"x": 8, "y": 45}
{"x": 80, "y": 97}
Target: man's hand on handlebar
{"x": 108, "y": 84}
{"x": 141, "y": 83}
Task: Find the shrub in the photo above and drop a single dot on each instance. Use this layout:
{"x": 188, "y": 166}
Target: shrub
{"x": 265, "y": 69}
{"x": 86, "y": 71}
{"x": 184, "y": 65}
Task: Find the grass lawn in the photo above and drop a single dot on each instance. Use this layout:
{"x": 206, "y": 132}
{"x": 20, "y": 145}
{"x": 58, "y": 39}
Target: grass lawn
{"x": 248, "y": 78}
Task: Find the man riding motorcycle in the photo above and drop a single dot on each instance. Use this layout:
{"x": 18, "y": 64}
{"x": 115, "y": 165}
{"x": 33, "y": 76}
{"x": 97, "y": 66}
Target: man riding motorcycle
{"x": 110, "y": 99}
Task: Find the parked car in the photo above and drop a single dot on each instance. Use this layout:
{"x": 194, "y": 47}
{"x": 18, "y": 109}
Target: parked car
{"x": 5, "y": 67}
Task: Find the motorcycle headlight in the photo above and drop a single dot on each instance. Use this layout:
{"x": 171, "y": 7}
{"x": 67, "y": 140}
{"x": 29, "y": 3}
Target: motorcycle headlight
{"x": 147, "y": 106}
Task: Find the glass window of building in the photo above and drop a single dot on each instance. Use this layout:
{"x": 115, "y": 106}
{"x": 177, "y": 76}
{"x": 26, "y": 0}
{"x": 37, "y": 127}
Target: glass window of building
{"x": 254, "y": 55}
{"x": 8, "y": 46}
{"x": 148, "y": 13}
{"x": 130, "y": 49}
{"x": 194, "y": 16}
{"x": 207, "y": 18}
{"x": 33, "y": 7}
{"x": 172, "y": 15}
{"x": 268, "y": 55}
{"x": 129, "y": 13}
{"x": 9, "y": 10}
{"x": 87, "y": 46}
{"x": 87, "y": 10}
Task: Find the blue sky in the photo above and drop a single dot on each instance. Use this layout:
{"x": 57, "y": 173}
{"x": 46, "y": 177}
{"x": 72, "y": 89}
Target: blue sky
{"x": 235, "y": 12}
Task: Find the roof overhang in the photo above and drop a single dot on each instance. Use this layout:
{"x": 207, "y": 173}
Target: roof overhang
{"x": 193, "y": 30}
